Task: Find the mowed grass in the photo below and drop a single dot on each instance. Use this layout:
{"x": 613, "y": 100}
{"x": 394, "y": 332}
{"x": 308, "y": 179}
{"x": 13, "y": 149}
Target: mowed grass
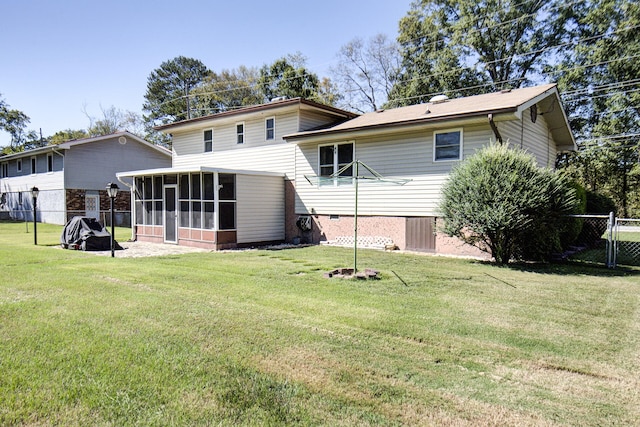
{"x": 259, "y": 337}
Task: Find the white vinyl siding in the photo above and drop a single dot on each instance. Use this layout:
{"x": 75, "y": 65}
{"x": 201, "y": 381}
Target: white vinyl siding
{"x": 270, "y": 158}
{"x": 535, "y": 138}
{"x": 260, "y": 208}
{"x": 408, "y": 156}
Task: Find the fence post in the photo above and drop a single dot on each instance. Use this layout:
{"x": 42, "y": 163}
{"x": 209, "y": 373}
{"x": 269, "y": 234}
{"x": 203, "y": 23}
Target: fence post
{"x": 611, "y": 262}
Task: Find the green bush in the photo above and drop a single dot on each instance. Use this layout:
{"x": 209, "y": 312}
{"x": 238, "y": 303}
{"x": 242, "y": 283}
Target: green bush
{"x": 500, "y": 201}
{"x": 599, "y": 204}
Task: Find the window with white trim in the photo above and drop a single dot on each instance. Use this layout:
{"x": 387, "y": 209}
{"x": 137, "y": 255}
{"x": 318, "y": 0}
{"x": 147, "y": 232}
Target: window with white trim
{"x": 447, "y": 145}
{"x": 5, "y": 170}
{"x": 240, "y": 133}
{"x": 334, "y": 157}
{"x": 33, "y": 165}
{"x": 270, "y": 128}
{"x": 208, "y": 140}
{"x": 19, "y": 165}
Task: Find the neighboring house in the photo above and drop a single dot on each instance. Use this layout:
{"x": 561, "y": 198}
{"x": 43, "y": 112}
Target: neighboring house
{"x": 230, "y": 184}
{"x": 72, "y": 177}
{"x": 240, "y": 177}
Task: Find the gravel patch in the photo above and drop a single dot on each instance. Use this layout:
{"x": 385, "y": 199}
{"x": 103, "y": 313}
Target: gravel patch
{"x": 146, "y": 249}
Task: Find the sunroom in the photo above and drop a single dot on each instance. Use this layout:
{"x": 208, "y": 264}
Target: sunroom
{"x": 206, "y": 207}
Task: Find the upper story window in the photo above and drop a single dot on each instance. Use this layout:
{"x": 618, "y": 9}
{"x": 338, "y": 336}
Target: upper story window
{"x": 240, "y": 133}
{"x": 334, "y": 157}
{"x": 208, "y": 140}
{"x": 270, "y": 128}
{"x": 49, "y": 162}
{"x": 5, "y": 170}
{"x": 447, "y": 145}
{"x": 33, "y": 165}
{"x": 19, "y": 165}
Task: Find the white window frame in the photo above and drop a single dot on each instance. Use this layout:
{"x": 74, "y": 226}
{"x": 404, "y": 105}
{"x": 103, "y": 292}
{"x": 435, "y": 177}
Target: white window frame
{"x": 49, "y": 163}
{"x": 240, "y": 134}
{"x": 460, "y": 146}
{"x": 336, "y": 164}
{"x": 34, "y": 165}
{"x": 19, "y": 165}
{"x": 267, "y": 128}
{"x": 5, "y": 170}
{"x": 204, "y": 140}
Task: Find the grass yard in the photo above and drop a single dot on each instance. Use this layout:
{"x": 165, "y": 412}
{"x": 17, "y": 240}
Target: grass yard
{"x": 261, "y": 338}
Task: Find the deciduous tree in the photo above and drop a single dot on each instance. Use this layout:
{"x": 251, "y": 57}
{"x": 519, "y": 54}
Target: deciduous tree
{"x": 366, "y": 72}
{"x": 462, "y": 47}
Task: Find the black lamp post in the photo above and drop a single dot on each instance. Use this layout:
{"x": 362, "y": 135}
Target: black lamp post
{"x": 112, "y": 192}
{"x": 34, "y": 195}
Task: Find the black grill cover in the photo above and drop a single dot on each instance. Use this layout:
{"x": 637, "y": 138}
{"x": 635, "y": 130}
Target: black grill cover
{"x": 87, "y": 234}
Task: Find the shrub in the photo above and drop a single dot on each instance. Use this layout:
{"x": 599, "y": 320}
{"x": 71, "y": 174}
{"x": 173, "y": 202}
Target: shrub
{"x": 599, "y": 203}
{"x": 500, "y": 201}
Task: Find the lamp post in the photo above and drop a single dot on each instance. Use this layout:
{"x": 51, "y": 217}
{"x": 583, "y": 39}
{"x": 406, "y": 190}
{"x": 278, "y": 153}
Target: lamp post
{"x": 112, "y": 192}
{"x": 34, "y": 195}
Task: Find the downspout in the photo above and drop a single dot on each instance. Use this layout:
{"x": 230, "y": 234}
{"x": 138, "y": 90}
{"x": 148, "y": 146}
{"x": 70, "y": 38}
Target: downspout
{"x": 494, "y": 128}
{"x": 133, "y": 206}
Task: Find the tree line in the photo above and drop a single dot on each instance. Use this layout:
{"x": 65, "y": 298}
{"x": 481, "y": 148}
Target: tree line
{"x": 591, "y": 48}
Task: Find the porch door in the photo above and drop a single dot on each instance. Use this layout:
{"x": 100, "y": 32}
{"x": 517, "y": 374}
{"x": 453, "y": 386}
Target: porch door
{"x": 170, "y": 214}
{"x": 92, "y": 206}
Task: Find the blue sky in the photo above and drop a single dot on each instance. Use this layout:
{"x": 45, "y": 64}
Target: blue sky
{"x": 60, "y": 58}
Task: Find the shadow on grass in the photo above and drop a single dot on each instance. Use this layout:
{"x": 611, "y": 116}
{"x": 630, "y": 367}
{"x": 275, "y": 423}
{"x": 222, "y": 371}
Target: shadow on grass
{"x": 574, "y": 268}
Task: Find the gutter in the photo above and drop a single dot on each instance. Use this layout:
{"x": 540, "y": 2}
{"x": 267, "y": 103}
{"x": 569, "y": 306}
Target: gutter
{"x": 494, "y": 128}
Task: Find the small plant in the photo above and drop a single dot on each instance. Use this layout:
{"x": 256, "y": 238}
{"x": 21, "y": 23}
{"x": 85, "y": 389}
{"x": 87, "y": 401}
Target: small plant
{"x": 500, "y": 201}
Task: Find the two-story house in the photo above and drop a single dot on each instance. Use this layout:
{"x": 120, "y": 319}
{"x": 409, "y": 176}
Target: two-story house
{"x": 242, "y": 177}
{"x": 231, "y": 180}
{"x": 72, "y": 177}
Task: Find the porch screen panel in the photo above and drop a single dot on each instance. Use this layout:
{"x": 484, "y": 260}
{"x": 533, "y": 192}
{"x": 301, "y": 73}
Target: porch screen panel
{"x": 227, "y": 204}
{"x": 184, "y": 213}
{"x": 208, "y": 195}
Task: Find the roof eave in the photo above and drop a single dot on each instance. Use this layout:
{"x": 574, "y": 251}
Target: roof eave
{"x": 186, "y": 124}
{"x": 421, "y": 122}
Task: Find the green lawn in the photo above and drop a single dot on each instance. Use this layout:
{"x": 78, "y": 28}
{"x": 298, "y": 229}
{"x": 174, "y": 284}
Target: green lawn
{"x": 261, "y": 338}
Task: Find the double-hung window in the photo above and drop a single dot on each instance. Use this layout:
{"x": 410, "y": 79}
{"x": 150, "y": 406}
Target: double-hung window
{"x": 270, "y": 128}
{"x": 240, "y": 133}
{"x": 333, "y": 158}
{"x": 447, "y": 145}
{"x": 208, "y": 140}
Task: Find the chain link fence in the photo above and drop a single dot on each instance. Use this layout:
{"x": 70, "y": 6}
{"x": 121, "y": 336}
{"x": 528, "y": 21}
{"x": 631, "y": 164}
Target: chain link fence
{"x": 626, "y": 238}
{"x": 594, "y": 243}
{"x": 607, "y": 240}
{"x": 121, "y": 218}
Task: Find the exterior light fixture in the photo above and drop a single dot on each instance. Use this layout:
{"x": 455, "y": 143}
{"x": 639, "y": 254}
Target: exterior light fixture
{"x": 34, "y": 195}
{"x": 112, "y": 192}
